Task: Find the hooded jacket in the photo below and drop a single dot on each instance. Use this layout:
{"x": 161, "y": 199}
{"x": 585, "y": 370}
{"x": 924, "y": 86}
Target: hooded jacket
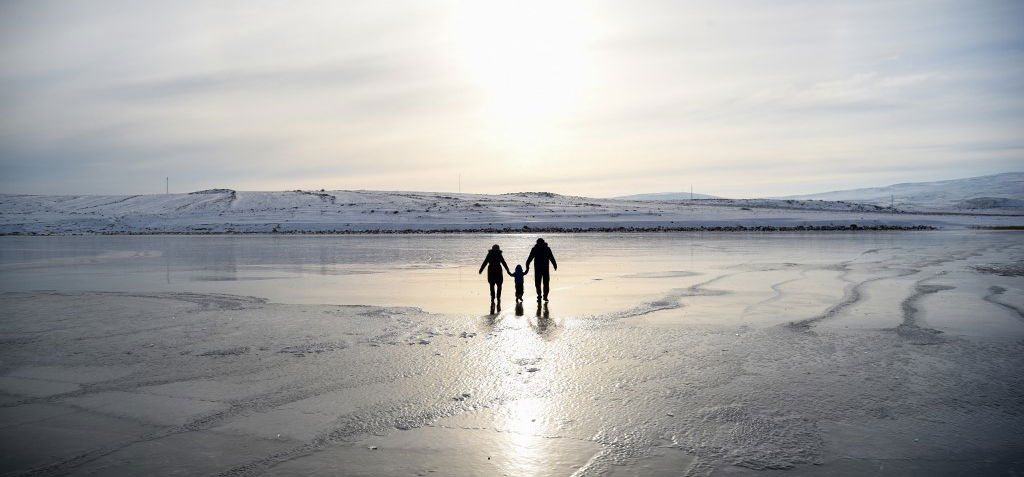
{"x": 494, "y": 261}
{"x": 541, "y": 254}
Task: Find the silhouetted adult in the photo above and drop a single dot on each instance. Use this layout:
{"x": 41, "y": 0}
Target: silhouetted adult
{"x": 541, "y": 255}
{"x": 493, "y": 262}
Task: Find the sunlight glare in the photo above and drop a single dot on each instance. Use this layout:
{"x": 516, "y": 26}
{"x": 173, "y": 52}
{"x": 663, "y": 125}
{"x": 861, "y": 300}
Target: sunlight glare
{"x": 524, "y": 425}
{"x": 529, "y": 59}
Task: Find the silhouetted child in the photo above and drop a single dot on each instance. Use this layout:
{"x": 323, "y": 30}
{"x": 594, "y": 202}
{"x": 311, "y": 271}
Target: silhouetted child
{"x": 518, "y": 275}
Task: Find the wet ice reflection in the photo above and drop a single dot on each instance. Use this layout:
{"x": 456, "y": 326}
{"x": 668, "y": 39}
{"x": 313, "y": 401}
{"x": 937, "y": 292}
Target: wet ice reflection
{"x": 523, "y": 424}
{"x": 672, "y": 278}
{"x": 526, "y": 362}
{"x": 735, "y": 354}
{"x": 537, "y": 318}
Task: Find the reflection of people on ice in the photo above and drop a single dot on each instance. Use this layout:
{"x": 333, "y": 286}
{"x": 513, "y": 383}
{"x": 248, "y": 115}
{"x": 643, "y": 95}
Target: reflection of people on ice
{"x": 494, "y": 262}
{"x": 518, "y": 275}
{"x": 542, "y": 254}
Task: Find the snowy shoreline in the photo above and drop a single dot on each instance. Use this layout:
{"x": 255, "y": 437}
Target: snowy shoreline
{"x": 224, "y": 211}
{"x": 737, "y": 228}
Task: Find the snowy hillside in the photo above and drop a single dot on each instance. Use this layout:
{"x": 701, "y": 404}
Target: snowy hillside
{"x": 999, "y": 191}
{"x": 667, "y": 196}
{"x": 225, "y": 211}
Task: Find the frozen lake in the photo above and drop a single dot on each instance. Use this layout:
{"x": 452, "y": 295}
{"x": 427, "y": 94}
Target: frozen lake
{"x": 600, "y": 273}
{"x": 659, "y": 354}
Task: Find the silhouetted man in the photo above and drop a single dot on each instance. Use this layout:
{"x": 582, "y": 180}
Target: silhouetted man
{"x": 542, "y": 254}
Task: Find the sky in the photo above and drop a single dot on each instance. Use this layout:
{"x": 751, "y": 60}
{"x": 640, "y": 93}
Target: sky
{"x": 594, "y": 98}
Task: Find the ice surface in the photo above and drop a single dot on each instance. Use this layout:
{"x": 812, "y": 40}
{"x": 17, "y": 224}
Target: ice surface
{"x": 449, "y": 451}
{"x": 659, "y": 354}
{"x": 36, "y": 436}
{"x": 148, "y": 408}
{"x": 34, "y": 387}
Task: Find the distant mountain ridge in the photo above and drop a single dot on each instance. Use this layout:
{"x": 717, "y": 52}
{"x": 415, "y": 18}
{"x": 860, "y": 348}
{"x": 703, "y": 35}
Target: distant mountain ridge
{"x": 982, "y": 192}
{"x": 996, "y": 191}
{"x": 667, "y": 196}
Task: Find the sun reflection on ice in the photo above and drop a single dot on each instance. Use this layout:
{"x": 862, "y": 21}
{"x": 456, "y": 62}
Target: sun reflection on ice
{"x": 528, "y": 350}
{"x": 523, "y": 425}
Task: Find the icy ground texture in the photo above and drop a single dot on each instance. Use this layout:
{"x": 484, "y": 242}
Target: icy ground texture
{"x": 224, "y": 210}
{"x": 888, "y": 361}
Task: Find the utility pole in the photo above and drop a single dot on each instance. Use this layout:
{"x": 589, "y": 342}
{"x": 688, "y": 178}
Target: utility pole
{"x": 892, "y": 203}
{"x": 460, "y": 183}
{"x": 691, "y": 191}
{"x": 167, "y": 185}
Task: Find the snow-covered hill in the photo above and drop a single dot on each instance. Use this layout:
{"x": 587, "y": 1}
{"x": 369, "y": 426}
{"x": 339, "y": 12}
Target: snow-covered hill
{"x": 225, "y": 210}
{"x": 667, "y": 196}
{"x": 999, "y": 191}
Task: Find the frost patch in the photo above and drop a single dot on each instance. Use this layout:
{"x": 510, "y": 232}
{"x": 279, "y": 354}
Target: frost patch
{"x": 313, "y": 348}
{"x": 1015, "y": 269}
{"x": 236, "y": 351}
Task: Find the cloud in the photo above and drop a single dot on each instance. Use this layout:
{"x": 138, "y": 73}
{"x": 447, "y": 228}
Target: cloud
{"x": 744, "y": 99}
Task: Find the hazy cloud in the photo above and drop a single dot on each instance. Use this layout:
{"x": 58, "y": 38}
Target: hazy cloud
{"x": 590, "y": 98}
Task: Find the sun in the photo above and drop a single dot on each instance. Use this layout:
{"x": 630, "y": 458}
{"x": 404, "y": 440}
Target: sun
{"x": 529, "y": 59}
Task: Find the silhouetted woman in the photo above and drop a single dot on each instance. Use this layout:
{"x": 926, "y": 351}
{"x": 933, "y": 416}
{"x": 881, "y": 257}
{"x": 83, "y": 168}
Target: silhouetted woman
{"x": 494, "y": 261}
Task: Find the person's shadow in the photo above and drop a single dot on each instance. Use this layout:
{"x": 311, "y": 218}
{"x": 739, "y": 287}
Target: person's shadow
{"x": 492, "y": 317}
{"x": 545, "y": 325}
